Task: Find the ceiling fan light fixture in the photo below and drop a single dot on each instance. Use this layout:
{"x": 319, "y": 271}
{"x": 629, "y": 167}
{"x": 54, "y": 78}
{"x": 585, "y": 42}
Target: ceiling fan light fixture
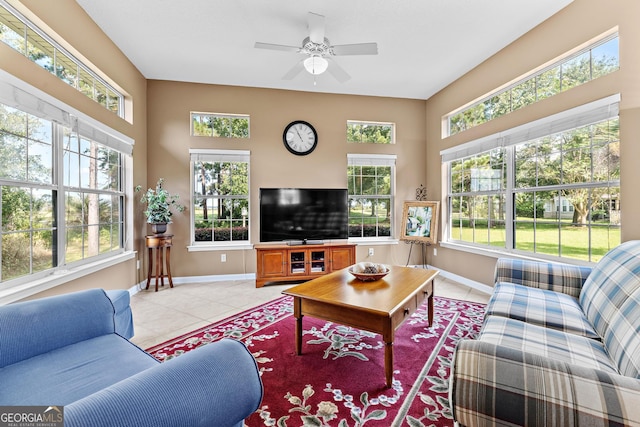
{"x": 316, "y": 65}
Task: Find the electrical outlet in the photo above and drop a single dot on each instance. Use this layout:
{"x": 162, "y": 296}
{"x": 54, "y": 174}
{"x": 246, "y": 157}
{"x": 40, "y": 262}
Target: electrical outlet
{"x": 435, "y": 251}
{"x": 223, "y": 257}
{"x": 370, "y": 251}
{"x": 138, "y": 264}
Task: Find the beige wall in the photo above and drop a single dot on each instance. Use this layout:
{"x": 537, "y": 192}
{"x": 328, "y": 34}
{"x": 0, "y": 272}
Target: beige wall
{"x": 161, "y": 109}
{"x": 114, "y": 277}
{"x": 576, "y": 24}
{"x": 169, "y": 105}
{"x": 78, "y": 33}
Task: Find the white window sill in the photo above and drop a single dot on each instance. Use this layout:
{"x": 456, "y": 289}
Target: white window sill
{"x": 220, "y": 247}
{"x": 494, "y": 253}
{"x": 59, "y": 277}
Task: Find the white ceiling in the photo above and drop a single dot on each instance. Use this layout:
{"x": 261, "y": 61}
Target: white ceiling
{"x": 423, "y": 45}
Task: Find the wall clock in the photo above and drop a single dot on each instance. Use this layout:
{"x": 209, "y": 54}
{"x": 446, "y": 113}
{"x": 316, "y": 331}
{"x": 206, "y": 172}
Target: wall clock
{"x": 300, "y": 138}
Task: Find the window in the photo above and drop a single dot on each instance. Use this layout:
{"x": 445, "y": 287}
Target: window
{"x": 94, "y": 197}
{"x": 371, "y": 132}
{"x": 220, "y": 125}
{"x": 371, "y": 189}
{"x": 551, "y": 187}
{"x": 597, "y": 60}
{"x": 62, "y": 188}
{"x": 25, "y": 37}
{"x": 220, "y": 201}
{"x": 477, "y": 198}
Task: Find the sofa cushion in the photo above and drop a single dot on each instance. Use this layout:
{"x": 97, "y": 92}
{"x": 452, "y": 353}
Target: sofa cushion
{"x": 540, "y": 307}
{"x": 546, "y": 342}
{"x": 610, "y": 301}
{"x": 564, "y": 278}
{"x": 623, "y": 341}
{"x": 64, "y": 375}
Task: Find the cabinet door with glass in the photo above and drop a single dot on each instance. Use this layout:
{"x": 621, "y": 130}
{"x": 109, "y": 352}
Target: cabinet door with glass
{"x": 317, "y": 262}
{"x": 307, "y": 262}
{"x": 297, "y": 262}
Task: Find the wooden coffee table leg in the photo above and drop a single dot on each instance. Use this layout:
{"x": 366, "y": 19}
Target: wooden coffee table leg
{"x": 387, "y": 336}
{"x": 430, "y": 305}
{"x": 297, "y": 313}
{"x": 388, "y": 362}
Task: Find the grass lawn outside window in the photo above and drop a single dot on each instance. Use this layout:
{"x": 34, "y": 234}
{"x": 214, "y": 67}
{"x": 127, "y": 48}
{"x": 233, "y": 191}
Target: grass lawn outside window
{"x": 553, "y": 238}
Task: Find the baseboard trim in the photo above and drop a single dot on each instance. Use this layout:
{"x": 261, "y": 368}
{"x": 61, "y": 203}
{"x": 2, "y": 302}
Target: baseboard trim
{"x": 194, "y": 279}
{"x": 251, "y": 276}
{"x": 213, "y": 278}
{"x": 465, "y": 281}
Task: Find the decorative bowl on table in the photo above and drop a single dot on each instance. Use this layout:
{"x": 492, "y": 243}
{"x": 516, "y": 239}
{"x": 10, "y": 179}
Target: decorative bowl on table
{"x": 369, "y": 271}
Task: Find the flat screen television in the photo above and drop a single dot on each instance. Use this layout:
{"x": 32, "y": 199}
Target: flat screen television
{"x": 300, "y": 215}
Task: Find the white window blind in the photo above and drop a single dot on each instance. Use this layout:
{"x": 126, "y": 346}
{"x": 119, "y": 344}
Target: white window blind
{"x": 583, "y": 115}
{"x": 371, "y": 159}
{"x": 37, "y": 103}
{"x": 205, "y": 155}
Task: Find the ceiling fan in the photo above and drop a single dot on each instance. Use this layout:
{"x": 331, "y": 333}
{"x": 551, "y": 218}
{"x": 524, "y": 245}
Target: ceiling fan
{"x": 319, "y": 51}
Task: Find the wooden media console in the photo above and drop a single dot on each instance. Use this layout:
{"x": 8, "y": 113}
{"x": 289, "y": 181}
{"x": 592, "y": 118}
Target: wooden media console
{"x": 281, "y": 262}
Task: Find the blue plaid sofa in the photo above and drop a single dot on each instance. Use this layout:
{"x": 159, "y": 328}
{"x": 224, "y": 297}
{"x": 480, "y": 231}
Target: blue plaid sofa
{"x": 559, "y": 346}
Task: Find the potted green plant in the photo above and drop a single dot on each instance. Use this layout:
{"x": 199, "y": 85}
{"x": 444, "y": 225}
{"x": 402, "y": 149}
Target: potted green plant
{"x": 159, "y": 204}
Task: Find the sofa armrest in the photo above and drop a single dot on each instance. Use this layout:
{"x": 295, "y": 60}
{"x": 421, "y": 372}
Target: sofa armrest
{"x": 557, "y": 277}
{"x": 123, "y": 317}
{"x": 496, "y": 385}
{"x": 53, "y": 322}
{"x": 215, "y": 385}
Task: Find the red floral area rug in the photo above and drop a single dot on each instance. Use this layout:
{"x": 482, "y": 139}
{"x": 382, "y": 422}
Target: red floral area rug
{"x": 339, "y": 378}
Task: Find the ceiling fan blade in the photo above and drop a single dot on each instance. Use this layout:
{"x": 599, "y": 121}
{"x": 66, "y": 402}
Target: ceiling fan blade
{"x": 281, "y": 47}
{"x": 316, "y": 27}
{"x": 293, "y": 72}
{"x": 355, "y": 49}
{"x": 337, "y": 71}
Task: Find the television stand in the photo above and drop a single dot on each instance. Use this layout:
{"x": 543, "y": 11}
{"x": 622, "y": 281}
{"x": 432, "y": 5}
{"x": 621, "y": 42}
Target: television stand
{"x": 283, "y": 262}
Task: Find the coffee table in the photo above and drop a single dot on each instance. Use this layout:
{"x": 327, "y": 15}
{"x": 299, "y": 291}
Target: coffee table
{"x": 378, "y": 306}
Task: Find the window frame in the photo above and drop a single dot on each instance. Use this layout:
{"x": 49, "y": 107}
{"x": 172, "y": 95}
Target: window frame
{"x": 87, "y": 191}
{"x": 28, "y": 99}
{"x": 376, "y": 160}
{"x": 509, "y": 141}
{"x": 116, "y": 107}
{"x": 217, "y": 155}
{"x": 222, "y": 116}
{"x": 392, "y": 135}
{"x": 505, "y": 94}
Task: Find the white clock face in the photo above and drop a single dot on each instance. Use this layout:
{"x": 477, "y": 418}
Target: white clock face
{"x": 300, "y": 138}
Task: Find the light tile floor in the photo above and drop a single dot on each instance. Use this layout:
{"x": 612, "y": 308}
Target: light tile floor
{"x": 171, "y": 312}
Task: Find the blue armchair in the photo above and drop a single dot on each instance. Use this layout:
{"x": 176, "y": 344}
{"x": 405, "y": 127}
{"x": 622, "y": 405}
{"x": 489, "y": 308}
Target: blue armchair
{"x": 66, "y": 351}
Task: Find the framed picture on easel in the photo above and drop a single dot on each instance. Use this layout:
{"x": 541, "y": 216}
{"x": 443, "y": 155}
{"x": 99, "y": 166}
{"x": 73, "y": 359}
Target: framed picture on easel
{"x": 420, "y": 221}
